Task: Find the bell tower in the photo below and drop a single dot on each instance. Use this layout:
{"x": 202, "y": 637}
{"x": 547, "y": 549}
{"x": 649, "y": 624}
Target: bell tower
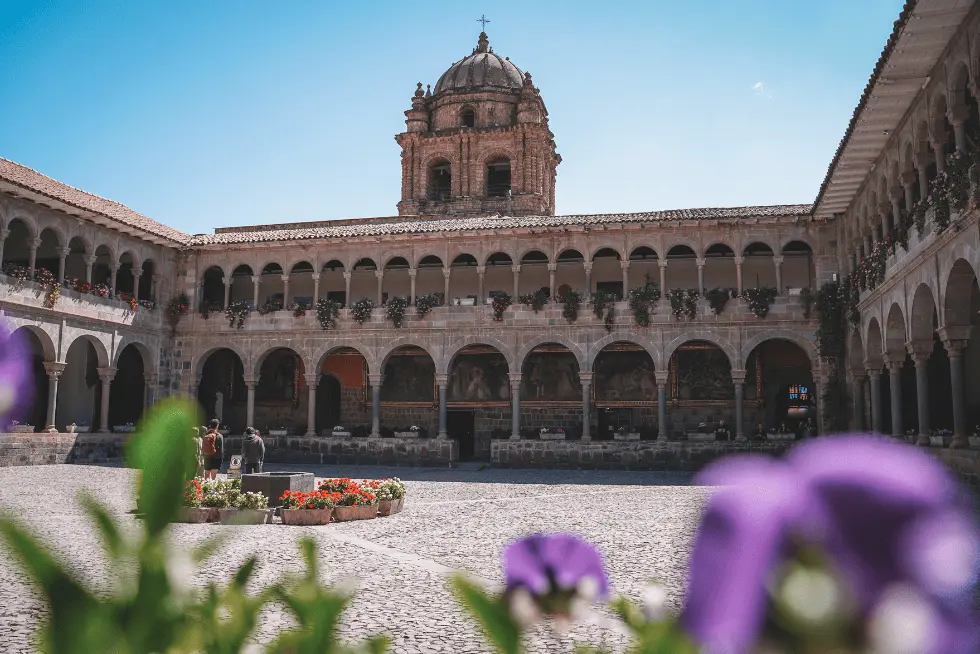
{"x": 478, "y": 143}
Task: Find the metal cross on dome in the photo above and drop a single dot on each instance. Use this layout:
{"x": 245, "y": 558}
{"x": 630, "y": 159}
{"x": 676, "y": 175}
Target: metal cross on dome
{"x": 483, "y": 19}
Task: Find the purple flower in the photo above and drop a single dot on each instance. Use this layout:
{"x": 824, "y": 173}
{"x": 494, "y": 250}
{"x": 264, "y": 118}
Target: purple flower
{"x": 544, "y": 564}
{"x": 890, "y": 516}
{"x": 16, "y": 385}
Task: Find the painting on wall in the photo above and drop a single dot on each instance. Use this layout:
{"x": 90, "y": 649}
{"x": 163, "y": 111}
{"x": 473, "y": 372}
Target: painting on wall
{"x": 551, "y": 377}
{"x": 625, "y": 376}
{"x": 409, "y": 378}
{"x": 701, "y": 373}
{"x": 479, "y": 378}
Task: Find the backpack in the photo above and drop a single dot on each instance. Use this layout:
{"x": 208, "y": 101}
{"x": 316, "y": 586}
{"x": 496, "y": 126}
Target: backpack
{"x": 210, "y": 444}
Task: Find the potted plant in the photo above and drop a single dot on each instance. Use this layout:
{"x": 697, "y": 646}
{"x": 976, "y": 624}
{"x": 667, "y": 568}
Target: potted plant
{"x": 355, "y": 503}
{"x": 123, "y": 429}
{"x": 245, "y": 509}
{"x": 624, "y": 434}
{"x": 279, "y": 431}
{"x": 79, "y": 428}
{"x": 18, "y": 428}
{"x": 552, "y": 434}
{"x": 191, "y": 510}
{"x": 391, "y": 496}
{"x": 340, "y": 431}
{"x": 315, "y": 508}
{"x": 468, "y": 301}
{"x": 413, "y": 432}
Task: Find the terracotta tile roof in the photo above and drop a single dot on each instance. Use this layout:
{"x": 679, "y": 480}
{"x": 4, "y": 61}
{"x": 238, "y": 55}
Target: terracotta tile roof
{"x": 424, "y": 225}
{"x": 32, "y": 180}
{"x": 903, "y": 18}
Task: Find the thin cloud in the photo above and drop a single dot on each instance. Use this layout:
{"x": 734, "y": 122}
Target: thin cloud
{"x": 759, "y": 89}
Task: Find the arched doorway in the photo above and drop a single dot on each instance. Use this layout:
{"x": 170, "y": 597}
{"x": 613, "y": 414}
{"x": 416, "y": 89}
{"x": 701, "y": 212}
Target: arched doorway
{"x": 798, "y": 271}
{"x": 682, "y": 268}
{"x": 16, "y": 251}
{"x": 699, "y": 389}
{"x": 758, "y": 266}
{"x": 719, "y": 267}
{"x": 551, "y": 391}
{"x": 624, "y": 390}
{"x": 408, "y": 391}
{"x": 607, "y": 273}
{"x": 397, "y": 281}
{"x": 223, "y": 372}
{"x": 80, "y": 387}
{"x": 478, "y": 400}
{"x": 570, "y": 273}
{"x": 534, "y": 273}
{"x": 962, "y": 320}
{"x": 351, "y": 408}
{"x": 332, "y": 283}
{"x": 127, "y": 391}
{"x": 33, "y": 412}
{"x": 328, "y": 403}
{"x": 213, "y": 290}
{"x": 281, "y": 393}
{"x": 779, "y": 387}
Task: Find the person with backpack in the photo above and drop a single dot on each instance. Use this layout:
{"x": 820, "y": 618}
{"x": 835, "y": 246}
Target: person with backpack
{"x": 212, "y": 447}
{"x": 253, "y": 452}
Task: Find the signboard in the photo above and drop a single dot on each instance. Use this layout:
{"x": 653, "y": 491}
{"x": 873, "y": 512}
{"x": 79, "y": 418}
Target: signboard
{"x": 799, "y": 402}
{"x": 235, "y": 467}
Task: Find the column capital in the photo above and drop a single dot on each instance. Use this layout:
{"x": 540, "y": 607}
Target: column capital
{"x": 480, "y": 270}
{"x": 739, "y": 260}
{"x": 884, "y": 208}
{"x": 699, "y": 261}
{"x": 375, "y": 379}
{"x": 63, "y": 252}
{"x": 738, "y": 377}
{"x": 778, "y": 259}
{"x": 662, "y": 263}
{"x": 894, "y": 365}
{"x": 859, "y": 374}
{"x": 625, "y": 265}
{"x": 346, "y": 274}
{"x": 442, "y": 379}
{"x": 250, "y": 381}
{"x": 151, "y": 380}
{"x": 937, "y": 142}
{"x": 907, "y": 178}
{"x": 552, "y": 267}
{"x": 516, "y": 268}
{"x": 4, "y": 233}
{"x": 312, "y": 379}
{"x": 661, "y": 376}
{"x": 586, "y": 378}
{"x": 34, "y": 243}
{"x": 874, "y": 374}
{"x": 284, "y": 278}
{"x": 255, "y": 279}
{"x": 515, "y": 379}
{"x": 957, "y": 115}
{"x": 588, "y": 266}
{"x": 446, "y": 272}
{"x": 379, "y": 273}
{"x": 315, "y": 276}
{"x": 106, "y": 374}
{"x": 54, "y": 368}
{"x": 919, "y": 351}
{"x": 412, "y": 272}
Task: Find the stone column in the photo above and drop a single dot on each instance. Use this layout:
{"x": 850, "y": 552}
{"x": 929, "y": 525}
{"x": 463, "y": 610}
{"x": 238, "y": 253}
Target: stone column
{"x": 480, "y": 272}
{"x": 347, "y": 301}
{"x": 586, "y": 379}
{"x": 625, "y": 265}
{"x": 33, "y": 244}
{"x": 661, "y": 376}
{"x": 256, "y": 280}
{"x": 663, "y": 278}
{"x": 516, "y": 269}
{"x": 515, "y": 406}
{"x": 859, "y": 379}
{"x": 192, "y": 387}
{"x": 442, "y": 381}
{"x": 375, "y": 380}
{"x": 937, "y": 150}
{"x": 316, "y": 289}
{"x": 552, "y": 269}
{"x": 896, "y": 207}
{"x": 738, "y": 379}
{"x": 106, "y": 375}
{"x": 700, "y": 263}
{"x": 380, "y": 274}
{"x": 957, "y": 117}
{"x": 412, "y": 273}
{"x": 311, "y": 383}
{"x": 874, "y": 377}
{"x": 62, "y": 255}
{"x": 285, "y": 291}
{"x": 149, "y": 390}
{"x": 920, "y": 356}
{"x": 113, "y": 274}
{"x": 54, "y": 370}
{"x": 250, "y": 382}
{"x": 446, "y": 272}
{"x": 738, "y": 274}
{"x": 908, "y": 186}
{"x": 227, "y": 281}
{"x": 4, "y": 233}
{"x": 136, "y": 287}
{"x": 588, "y": 279}
{"x": 154, "y": 286}
{"x": 920, "y": 165}
{"x": 954, "y": 349}
{"x": 778, "y": 261}
{"x": 895, "y": 387}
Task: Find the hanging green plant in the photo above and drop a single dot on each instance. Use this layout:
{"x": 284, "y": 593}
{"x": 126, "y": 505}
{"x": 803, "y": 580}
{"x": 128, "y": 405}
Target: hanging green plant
{"x": 600, "y": 300}
{"x": 760, "y": 299}
{"x": 299, "y": 309}
{"x": 270, "y": 305}
{"x": 642, "y": 302}
{"x": 207, "y": 308}
{"x": 571, "y": 300}
{"x": 395, "y": 310}
{"x": 499, "y": 304}
{"x": 360, "y": 311}
{"x": 609, "y": 320}
{"x": 806, "y": 301}
{"x": 535, "y": 300}
{"x": 426, "y": 303}
{"x": 327, "y": 312}
{"x": 236, "y": 313}
{"x": 683, "y": 301}
{"x": 718, "y": 297}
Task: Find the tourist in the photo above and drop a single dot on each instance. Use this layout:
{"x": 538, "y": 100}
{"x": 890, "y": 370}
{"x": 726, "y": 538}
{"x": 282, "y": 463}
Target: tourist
{"x": 253, "y": 452}
{"x": 198, "y": 448}
{"x": 809, "y": 429}
{"x": 722, "y": 433}
{"x": 213, "y": 449}
{"x": 783, "y": 429}
{"x": 760, "y": 432}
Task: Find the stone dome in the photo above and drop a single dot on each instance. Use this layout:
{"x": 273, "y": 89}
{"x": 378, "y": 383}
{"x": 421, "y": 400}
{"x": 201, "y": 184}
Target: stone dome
{"x": 482, "y": 69}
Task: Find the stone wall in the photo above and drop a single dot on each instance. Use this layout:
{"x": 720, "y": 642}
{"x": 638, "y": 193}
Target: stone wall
{"x": 353, "y": 451}
{"x": 42, "y": 449}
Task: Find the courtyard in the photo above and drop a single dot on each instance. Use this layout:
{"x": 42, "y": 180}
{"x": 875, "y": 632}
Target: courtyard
{"x": 642, "y": 522}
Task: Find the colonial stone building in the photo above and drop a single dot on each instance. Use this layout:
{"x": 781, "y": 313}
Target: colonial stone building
{"x": 585, "y": 345}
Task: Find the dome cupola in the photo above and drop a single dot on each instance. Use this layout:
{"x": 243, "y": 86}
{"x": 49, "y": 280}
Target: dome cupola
{"x": 484, "y": 69}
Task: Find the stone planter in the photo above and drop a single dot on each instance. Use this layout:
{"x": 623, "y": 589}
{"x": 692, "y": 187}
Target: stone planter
{"x": 278, "y": 432}
{"x": 305, "y": 517}
{"x": 195, "y": 515}
{"x": 466, "y": 302}
{"x": 974, "y": 441}
{"x": 936, "y": 441}
{"x": 78, "y": 429}
{"x": 781, "y": 437}
{"x": 633, "y": 436}
{"x": 340, "y": 434}
{"x": 700, "y": 437}
{"x": 348, "y": 513}
{"x": 243, "y": 516}
{"x": 390, "y": 507}
{"x": 407, "y": 434}
{"x": 552, "y": 435}
{"x": 366, "y": 511}
{"x": 22, "y": 429}
{"x": 122, "y": 429}
{"x": 274, "y": 484}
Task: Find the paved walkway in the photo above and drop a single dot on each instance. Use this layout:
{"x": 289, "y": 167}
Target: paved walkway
{"x": 454, "y": 520}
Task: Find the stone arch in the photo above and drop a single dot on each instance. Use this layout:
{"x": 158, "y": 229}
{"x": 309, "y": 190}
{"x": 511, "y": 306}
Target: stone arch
{"x": 855, "y": 350}
{"x": 489, "y": 155}
{"x": 293, "y": 263}
{"x": 721, "y": 240}
{"x": 498, "y": 254}
{"x": 427, "y": 254}
{"x": 647, "y": 345}
{"x": 197, "y": 363}
{"x": 922, "y": 316}
{"x": 43, "y": 337}
{"x": 320, "y": 355}
{"x": 779, "y": 334}
{"x": 724, "y": 344}
{"x": 266, "y": 264}
{"x": 391, "y": 256}
{"x": 100, "y": 348}
{"x": 533, "y": 248}
{"x": 133, "y": 256}
{"x": 385, "y": 353}
{"x": 149, "y": 360}
{"x": 680, "y": 241}
{"x": 458, "y": 346}
{"x": 60, "y": 237}
{"x": 958, "y": 85}
{"x": 896, "y": 335}
{"x": 599, "y": 248}
{"x": 529, "y": 346}
{"x": 440, "y": 177}
{"x": 639, "y": 246}
{"x": 255, "y": 365}
{"x": 27, "y": 219}
{"x": 956, "y": 296}
{"x": 874, "y": 346}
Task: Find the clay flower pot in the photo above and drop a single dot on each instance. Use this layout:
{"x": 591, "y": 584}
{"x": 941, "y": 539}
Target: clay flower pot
{"x": 399, "y": 505}
{"x": 243, "y": 516}
{"x": 194, "y": 515}
{"x": 304, "y": 517}
{"x": 366, "y": 511}
{"x": 345, "y": 513}
{"x": 386, "y": 507}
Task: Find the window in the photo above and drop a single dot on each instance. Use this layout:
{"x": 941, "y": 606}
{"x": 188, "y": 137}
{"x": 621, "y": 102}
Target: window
{"x": 498, "y": 178}
{"x": 440, "y": 181}
{"x": 468, "y": 117}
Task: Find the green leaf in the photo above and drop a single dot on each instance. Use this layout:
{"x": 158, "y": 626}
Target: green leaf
{"x": 164, "y": 451}
{"x": 491, "y": 613}
{"x": 108, "y": 529}
{"x": 204, "y": 551}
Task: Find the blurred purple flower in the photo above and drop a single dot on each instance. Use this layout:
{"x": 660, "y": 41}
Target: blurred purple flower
{"x": 546, "y": 563}
{"x": 889, "y": 515}
{"x": 16, "y": 384}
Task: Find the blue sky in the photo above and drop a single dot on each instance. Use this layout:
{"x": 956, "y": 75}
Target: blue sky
{"x": 216, "y": 113}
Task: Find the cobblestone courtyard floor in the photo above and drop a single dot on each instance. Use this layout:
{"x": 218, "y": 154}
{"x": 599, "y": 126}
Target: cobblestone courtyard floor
{"x": 642, "y": 522}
